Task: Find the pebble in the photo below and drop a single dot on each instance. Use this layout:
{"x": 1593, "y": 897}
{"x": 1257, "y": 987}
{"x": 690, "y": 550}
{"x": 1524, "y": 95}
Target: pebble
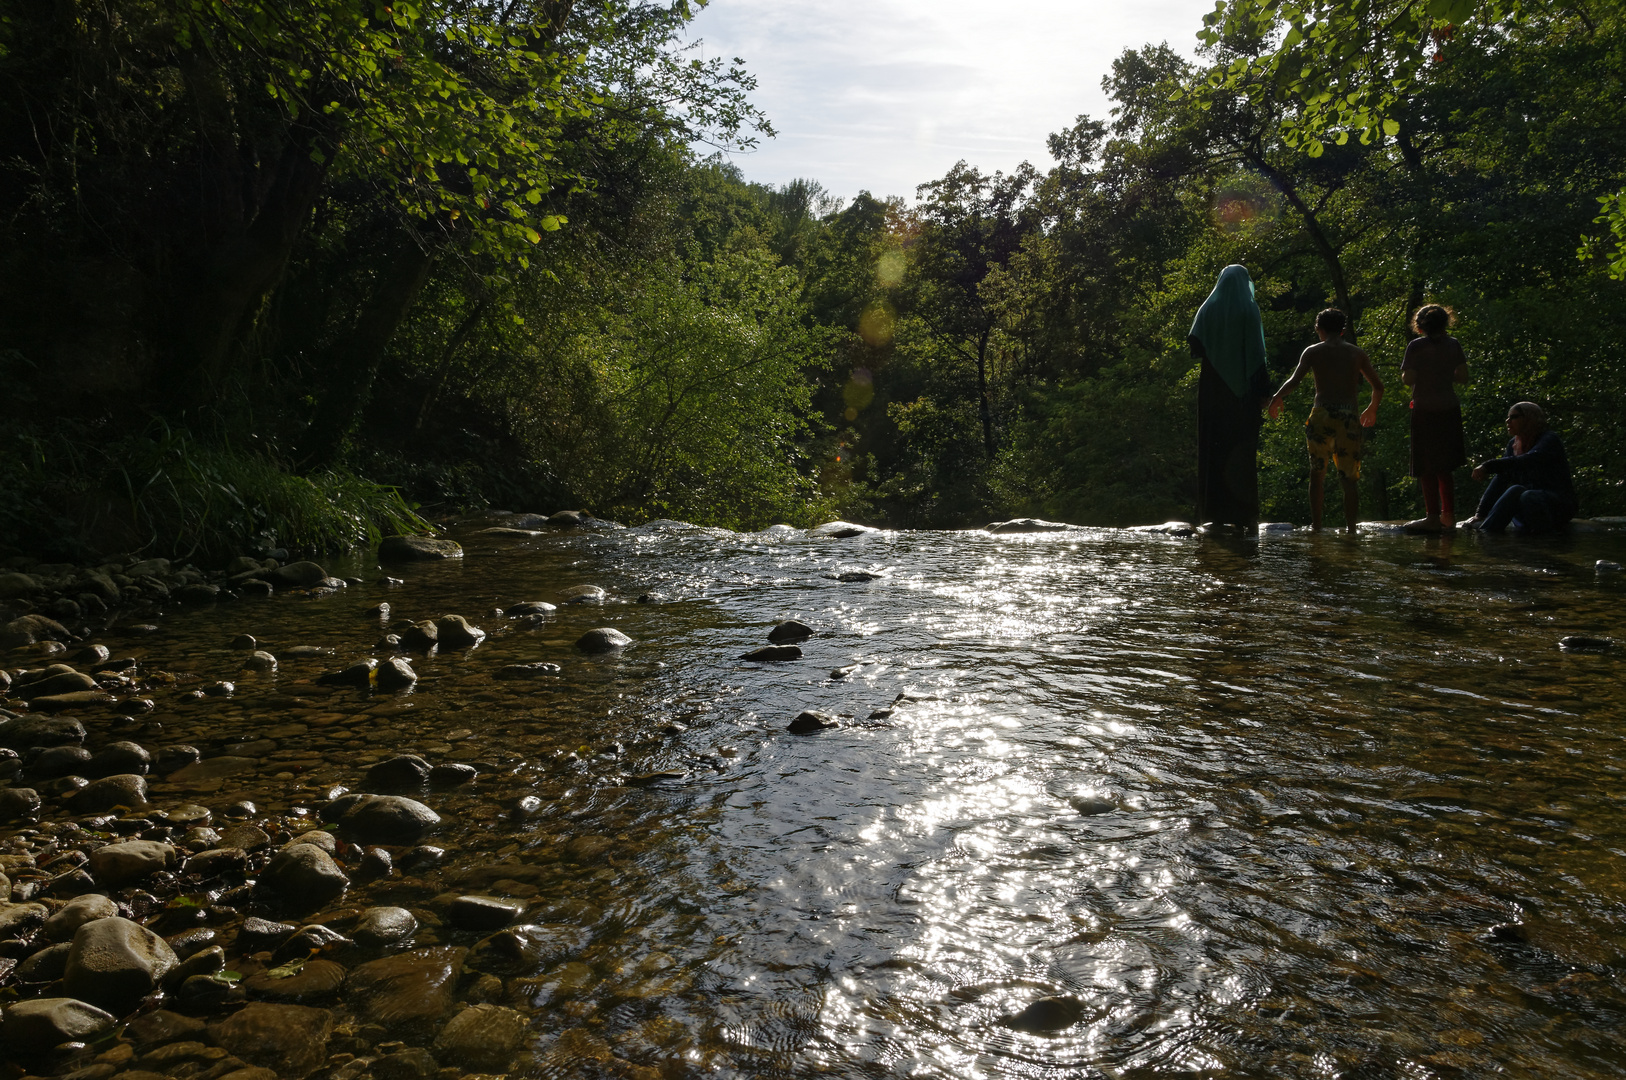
{"x": 260, "y": 660}
{"x": 454, "y": 632}
{"x": 67, "y": 920}
{"x": 527, "y": 671}
{"x": 124, "y": 789}
{"x": 452, "y": 774}
{"x": 383, "y": 819}
{"x": 316, "y": 980}
{"x": 404, "y": 772}
{"x": 257, "y": 934}
{"x": 582, "y": 594}
{"x": 529, "y": 607}
{"x": 130, "y": 861}
{"x": 790, "y": 631}
{"x": 245, "y": 642}
{"x": 308, "y": 941}
{"x": 35, "y": 1026}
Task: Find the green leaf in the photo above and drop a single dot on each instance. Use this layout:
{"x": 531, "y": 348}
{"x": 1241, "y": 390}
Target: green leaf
{"x": 1391, "y": 128}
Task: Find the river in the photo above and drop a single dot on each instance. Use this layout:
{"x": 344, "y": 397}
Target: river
{"x": 1307, "y": 805}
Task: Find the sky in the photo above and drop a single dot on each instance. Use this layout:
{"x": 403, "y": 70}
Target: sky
{"x": 883, "y": 95}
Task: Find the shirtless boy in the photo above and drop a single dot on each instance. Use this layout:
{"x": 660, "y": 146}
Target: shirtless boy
{"x": 1334, "y": 430}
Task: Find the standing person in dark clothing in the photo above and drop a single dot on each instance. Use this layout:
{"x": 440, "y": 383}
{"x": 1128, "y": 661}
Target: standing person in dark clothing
{"x": 1433, "y": 362}
{"x": 1530, "y": 485}
{"x": 1229, "y": 338}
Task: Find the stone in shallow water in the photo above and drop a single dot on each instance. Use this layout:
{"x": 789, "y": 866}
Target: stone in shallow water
{"x": 809, "y": 721}
{"x": 482, "y": 913}
{"x": 257, "y": 934}
{"x": 404, "y": 772}
{"x": 1048, "y": 1014}
{"x": 27, "y": 732}
{"x": 123, "y": 789}
{"x": 380, "y": 926}
{"x": 408, "y": 990}
{"x": 528, "y": 671}
{"x": 602, "y": 640}
{"x": 307, "y": 942}
{"x": 115, "y": 963}
{"x": 33, "y": 1027}
{"x": 305, "y": 877}
{"x": 418, "y": 549}
{"x": 395, "y": 674}
{"x": 45, "y": 966}
{"x": 789, "y": 631}
{"x": 291, "y": 1039}
{"x": 79, "y": 699}
{"x": 454, "y": 632}
{"x": 132, "y": 860}
{"x": 316, "y": 980}
{"x": 582, "y": 594}
{"x": 214, "y": 768}
{"x": 529, "y": 607}
{"x": 1090, "y": 804}
{"x": 774, "y": 653}
{"x": 452, "y": 774}
{"x": 527, "y": 949}
{"x": 1027, "y": 525}
{"x": 383, "y": 819}
{"x": 18, "y": 919}
{"x": 358, "y": 674}
{"x": 162, "y": 1026}
{"x": 483, "y": 1037}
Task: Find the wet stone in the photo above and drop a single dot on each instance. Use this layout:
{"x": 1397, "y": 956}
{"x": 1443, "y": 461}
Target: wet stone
{"x": 218, "y": 862}
{"x": 67, "y": 919}
{"x": 189, "y": 943}
{"x": 47, "y": 965}
{"x": 529, "y": 607}
{"x": 256, "y": 934}
{"x": 247, "y": 837}
{"x": 35, "y": 1026}
{"x": 810, "y": 721}
{"x": 404, "y": 772}
{"x": 418, "y": 549}
{"x": 305, "y": 877}
{"x": 410, "y": 989}
{"x": 18, "y": 803}
{"x": 385, "y": 819}
{"x": 309, "y": 941}
{"x": 527, "y": 949}
{"x": 789, "y": 632}
{"x": 206, "y": 961}
{"x": 582, "y": 594}
{"x": 535, "y": 670}
{"x": 172, "y": 759}
{"x": 407, "y": 1063}
{"x": 375, "y": 863}
{"x": 357, "y": 674}
{"x": 296, "y": 575}
{"x": 115, "y": 963}
{"x": 1048, "y": 1014}
{"x": 260, "y": 660}
{"x": 124, "y": 789}
{"x": 774, "y": 653}
{"x": 26, "y": 732}
{"x": 604, "y": 639}
{"x": 119, "y": 757}
{"x": 395, "y": 674}
{"x": 245, "y": 642}
{"x": 319, "y": 837}
{"x": 378, "y": 927}
{"x": 452, "y": 775}
{"x": 454, "y": 632}
{"x": 162, "y": 1026}
{"x": 290, "y": 1039}
{"x": 482, "y": 1037}
{"x": 60, "y": 761}
{"x": 316, "y": 980}
{"x": 482, "y": 913}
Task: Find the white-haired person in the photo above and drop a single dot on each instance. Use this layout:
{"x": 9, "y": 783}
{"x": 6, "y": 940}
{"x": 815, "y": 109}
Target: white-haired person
{"x": 1530, "y": 486}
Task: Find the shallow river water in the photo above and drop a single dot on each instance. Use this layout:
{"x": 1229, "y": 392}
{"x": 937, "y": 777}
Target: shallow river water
{"x": 1303, "y": 806}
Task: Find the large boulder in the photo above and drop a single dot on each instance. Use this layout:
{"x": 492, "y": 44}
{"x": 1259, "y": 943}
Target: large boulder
{"x": 418, "y": 548}
{"x": 305, "y": 877}
{"x": 35, "y": 1026}
{"x": 288, "y": 1039}
{"x": 411, "y": 990}
{"x": 115, "y": 963}
{"x": 132, "y": 860}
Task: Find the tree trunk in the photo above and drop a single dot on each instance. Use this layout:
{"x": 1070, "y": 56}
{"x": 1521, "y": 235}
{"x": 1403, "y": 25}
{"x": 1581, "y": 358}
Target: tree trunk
{"x": 1318, "y": 236}
{"x": 355, "y": 362}
{"x": 982, "y": 394}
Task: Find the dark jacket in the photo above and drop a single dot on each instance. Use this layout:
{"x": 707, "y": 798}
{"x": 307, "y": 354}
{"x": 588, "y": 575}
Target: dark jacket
{"x": 1544, "y": 467}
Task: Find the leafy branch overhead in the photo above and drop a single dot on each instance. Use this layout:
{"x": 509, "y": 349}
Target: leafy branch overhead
{"x": 459, "y": 109}
{"x": 1351, "y": 68}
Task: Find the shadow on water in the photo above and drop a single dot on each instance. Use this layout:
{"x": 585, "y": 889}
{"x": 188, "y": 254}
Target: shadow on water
{"x": 1256, "y": 805}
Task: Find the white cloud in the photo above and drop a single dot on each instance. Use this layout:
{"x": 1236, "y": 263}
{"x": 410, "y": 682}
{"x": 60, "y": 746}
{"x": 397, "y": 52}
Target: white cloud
{"x": 884, "y": 95}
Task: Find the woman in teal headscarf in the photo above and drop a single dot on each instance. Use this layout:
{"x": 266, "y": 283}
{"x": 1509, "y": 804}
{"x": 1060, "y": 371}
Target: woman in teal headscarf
{"x": 1231, "y": 397}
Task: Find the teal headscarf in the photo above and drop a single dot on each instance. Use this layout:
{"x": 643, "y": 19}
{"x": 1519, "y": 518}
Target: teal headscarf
{"x": 1228, "y": 326}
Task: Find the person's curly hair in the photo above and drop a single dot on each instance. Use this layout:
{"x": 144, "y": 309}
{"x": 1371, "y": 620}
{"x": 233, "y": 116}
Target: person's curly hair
{"x": 1433, "y": 319}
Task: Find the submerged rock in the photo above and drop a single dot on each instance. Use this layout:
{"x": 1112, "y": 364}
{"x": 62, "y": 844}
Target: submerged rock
{"x": 582, "y": 594}
{"x": 383, "y": 819}
{"x": 527, "y": 949}
{"x": 404, "y": 772}
{"x": 358, "y": 674}
{"x": 110, "y": 792}
{"x": 288, "y": 1039}
{"x": 408, "y": 990}
{"x": 482, "y": 1037}
{"x": 1048, "y": 1014}
{"x": 380, "y": 926}
{"x": 527, "y": 671}
{"x": 482, "y": 913}
{"x": 1168, "y": 528}
{"x": 529, "y": 607}
{"x": 132, "y": 860}
{"x": 774, "y": 653}
{"x": 1577, "y": 643}
{"x": 1091, "y": 804}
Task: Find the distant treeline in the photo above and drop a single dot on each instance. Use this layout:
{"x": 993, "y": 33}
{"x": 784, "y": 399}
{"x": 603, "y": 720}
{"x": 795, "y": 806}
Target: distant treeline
{"x": 267, "y": 268}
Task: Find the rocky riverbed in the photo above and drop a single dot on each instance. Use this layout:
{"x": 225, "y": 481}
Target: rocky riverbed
{"x": 572, "y": 800}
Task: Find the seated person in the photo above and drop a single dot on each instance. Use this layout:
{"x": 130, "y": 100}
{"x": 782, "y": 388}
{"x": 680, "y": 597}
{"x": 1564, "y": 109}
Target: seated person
{"x": 1530, "y": 485}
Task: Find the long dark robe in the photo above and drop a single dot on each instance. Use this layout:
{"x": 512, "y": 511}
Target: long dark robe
{"x": 1228, "y": 447}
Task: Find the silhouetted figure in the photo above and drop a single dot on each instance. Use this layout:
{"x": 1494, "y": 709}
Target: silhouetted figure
{"x": 1229, "y": 338}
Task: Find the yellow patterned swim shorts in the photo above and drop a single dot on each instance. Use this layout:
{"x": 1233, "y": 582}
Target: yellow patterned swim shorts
{"x": 1336, "y": 434}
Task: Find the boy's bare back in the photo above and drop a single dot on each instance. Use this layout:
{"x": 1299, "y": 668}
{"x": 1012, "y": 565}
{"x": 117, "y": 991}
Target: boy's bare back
{"x": 1338, "y": 368}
